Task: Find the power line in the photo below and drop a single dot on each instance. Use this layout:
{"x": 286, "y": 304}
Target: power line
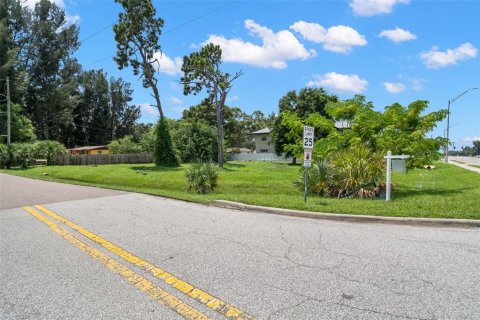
{"x": 95, "y": 33}
{"x": 167, "y": 31}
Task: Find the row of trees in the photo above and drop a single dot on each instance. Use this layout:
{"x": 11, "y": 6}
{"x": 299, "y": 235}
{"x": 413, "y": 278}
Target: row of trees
{"x": 52, "y": 96}
{"x": 403, "y": 130}
{"x": 467, "y": 151}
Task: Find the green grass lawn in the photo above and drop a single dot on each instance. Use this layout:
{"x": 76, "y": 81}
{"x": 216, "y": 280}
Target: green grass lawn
{"x": 447, "y": 191}
{"x": 475, "y": 165}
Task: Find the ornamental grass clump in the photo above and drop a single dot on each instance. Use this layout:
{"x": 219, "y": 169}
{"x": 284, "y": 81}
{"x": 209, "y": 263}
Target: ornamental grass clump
{"x": 202, "y": 177}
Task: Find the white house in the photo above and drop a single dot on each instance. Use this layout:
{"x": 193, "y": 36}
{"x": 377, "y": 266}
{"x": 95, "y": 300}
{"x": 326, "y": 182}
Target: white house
{"x": 263, "y": 143}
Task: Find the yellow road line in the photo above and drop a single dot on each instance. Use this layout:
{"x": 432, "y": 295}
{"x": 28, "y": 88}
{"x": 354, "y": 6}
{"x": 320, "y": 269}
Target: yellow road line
{"x": 203, "y": 297}
{"x": 135, "y": 279}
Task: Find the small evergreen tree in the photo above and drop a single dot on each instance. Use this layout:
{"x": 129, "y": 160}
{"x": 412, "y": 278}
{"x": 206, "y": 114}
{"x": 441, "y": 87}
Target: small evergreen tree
{"x": 164, "y": 152}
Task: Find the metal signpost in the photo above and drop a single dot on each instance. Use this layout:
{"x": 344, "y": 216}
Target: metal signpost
{"x": 307, "y": 154}
{"x": 389, "y": 158}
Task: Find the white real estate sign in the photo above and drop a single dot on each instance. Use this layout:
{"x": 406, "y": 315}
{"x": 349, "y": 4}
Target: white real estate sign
{"x": 308, "y": 137}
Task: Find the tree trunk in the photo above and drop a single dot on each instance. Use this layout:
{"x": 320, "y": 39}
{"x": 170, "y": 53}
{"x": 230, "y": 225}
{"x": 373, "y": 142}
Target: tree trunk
{"x": 294, "y": 160}
{"x": 157, "y": 98}
{"x": 219, "y": 113}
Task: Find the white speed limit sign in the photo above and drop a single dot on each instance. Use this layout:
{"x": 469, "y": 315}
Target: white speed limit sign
{"x": 308, "y": 137}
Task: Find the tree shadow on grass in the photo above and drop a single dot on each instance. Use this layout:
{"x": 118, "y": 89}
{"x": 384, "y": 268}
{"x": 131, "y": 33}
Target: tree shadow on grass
{"x": 155, "y": 169}
{"x": 230, "y": 167}
{"x": 412, "y": 193}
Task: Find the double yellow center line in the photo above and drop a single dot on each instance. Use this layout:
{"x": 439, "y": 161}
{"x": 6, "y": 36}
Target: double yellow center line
{"x": 137, "y": 280}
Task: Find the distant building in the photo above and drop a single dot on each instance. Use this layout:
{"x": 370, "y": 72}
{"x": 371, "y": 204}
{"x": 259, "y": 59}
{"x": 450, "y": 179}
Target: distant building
{"x": 89, "y": 150}
{"x": 342, "y": 124}
{"x": 263, "y": 143}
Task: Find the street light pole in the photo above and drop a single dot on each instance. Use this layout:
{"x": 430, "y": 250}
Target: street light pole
{"x": 448, "y": 118}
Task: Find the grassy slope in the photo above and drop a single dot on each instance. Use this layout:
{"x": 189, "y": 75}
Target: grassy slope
{"x": 447, "y": 191}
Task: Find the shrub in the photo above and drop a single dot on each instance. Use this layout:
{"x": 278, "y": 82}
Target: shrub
{"x": 320, "y": 179}
{"x": 196, "y": 141}
{"x": 124, "y": 145}
{"x": 48, "y": 149}
{"x": 353, "y": 172}
{"x": 4, "y": 156}
{"x": 202, "y": 177}
{"x": 164, "y": 152}
{"x": 357, "y": 168}
{"x": 23, "y": 153}
{"x": 147, "y": 141}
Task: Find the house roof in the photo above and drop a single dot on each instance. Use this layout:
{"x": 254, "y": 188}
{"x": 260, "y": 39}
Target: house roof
{"x": 88, "y": 148}
{"x": 264, "y": 130}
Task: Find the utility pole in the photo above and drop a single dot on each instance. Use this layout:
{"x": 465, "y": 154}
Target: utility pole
{"x": 8, "y": 114}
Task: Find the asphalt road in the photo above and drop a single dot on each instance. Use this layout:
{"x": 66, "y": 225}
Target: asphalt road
{"x": 266, "y": 266}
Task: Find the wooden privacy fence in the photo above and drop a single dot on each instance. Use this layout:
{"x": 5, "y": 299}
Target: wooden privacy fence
{"x": 94, "y": 159}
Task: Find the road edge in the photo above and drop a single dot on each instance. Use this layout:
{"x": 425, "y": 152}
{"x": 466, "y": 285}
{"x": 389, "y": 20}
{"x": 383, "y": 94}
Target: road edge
{"x": 432, "y": 222}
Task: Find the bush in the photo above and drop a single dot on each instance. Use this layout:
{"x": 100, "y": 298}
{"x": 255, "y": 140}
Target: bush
{"x": 198, "y": 141}
{"x": 320, "y": 179}
{"x": 353, "y": 172}
{"x": 23, "y": 153}
{"x": 4, "y": 156}
{"x": 124, "y": 145}
{"x": 147, "y": 141}
{"x": 202, "y": 177}
{"x": 48, "y": 149}
{"x": 357, "y": 168}
{"x": 164, "y": 152}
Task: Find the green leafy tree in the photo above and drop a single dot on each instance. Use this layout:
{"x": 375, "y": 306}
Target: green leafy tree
{"x": 47, "y": 44}
{"x": 92, "y": 115}
{"x": 202, "y": 71}
{"x": 137, "y": 35}
{"x": 22, "y": 129}
{"x": 13, "y": 23}
{"x": 307, "y": 101}
{"x": 123, "y": 115}
{"x": 405, "y": 132}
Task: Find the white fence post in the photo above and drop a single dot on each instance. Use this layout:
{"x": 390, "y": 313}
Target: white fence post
{"x": 389, "y": 175}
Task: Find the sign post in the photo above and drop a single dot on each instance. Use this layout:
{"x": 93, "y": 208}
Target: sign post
{"x": 389, "y": 158}
{"x": 308, "y": 133}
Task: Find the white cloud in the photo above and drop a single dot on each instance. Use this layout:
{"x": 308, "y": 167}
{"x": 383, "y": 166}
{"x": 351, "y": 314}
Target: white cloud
{"x": 435, "y": 59}
{"x": 31, "y": 3}
{"x": 470, "y": 139}
{"x": 178, "y": 109}
{"x": 340, "y": 83}
{"x": 394, "y": 87}
{"x": 166, "y": 65}
{"x": 174, "y": 100}
{"x": 336, "y": 39}
{"x": 417, "y": 84}
{"x": 367, "y": 8}
{"x": 69, "y": 20}
{"x": 148, "y": 108}
{"x": 397, "y": 35}
{"x": 233, "y": 98}
{"x": 276, "y": 48}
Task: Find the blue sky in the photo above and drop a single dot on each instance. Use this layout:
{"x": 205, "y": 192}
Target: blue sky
{"x": 388, "y": 50}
